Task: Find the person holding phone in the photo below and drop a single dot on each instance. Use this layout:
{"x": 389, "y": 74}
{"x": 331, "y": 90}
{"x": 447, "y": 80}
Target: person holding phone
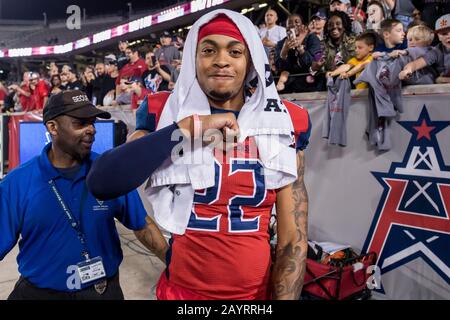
{"x": 157, "y": 77}
{"x": 295, "y": 55}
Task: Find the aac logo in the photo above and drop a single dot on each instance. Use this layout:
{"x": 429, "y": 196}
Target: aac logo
{"x": 412, "y": 219}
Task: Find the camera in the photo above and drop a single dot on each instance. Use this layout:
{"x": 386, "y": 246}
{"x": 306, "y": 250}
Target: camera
{"x": 291, "y": 33}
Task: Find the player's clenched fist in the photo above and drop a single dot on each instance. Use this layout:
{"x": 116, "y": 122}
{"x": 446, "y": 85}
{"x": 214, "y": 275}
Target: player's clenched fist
{"x": 197, "y": 126}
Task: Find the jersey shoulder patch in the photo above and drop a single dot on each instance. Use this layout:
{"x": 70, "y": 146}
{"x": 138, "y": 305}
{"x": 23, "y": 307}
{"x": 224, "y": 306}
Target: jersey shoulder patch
{"x": 301, "y": 123}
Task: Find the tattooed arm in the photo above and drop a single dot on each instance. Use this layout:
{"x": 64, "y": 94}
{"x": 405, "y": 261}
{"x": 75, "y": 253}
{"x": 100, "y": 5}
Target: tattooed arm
{"x": 151, "y": 237}
{"x": 292, "y": 223}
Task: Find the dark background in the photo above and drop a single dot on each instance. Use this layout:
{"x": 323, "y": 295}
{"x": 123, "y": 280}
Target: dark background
{"x": 56, "y": 9}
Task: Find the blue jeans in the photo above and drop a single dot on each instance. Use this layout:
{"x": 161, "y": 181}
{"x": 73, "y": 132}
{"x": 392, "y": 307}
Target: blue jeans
{"x": 405, "y": 20}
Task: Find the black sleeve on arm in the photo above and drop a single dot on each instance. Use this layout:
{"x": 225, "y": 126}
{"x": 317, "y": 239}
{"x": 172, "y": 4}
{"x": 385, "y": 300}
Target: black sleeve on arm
{"x": 123, "y": 169}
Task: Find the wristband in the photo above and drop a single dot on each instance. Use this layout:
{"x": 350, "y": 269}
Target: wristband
{"x": 197, "y": 126}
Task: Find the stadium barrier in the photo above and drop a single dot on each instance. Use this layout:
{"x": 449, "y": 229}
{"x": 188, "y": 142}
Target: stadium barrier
{"x": 396, "y": 203}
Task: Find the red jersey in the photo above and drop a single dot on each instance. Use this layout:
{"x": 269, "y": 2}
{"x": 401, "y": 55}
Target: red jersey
{"x": 3, "y": 94}
{"x": 38, "y": 95}
{"x": 132, "y": 70}
{"x": 225, "y": 251}
{"x": 24, "y": 100}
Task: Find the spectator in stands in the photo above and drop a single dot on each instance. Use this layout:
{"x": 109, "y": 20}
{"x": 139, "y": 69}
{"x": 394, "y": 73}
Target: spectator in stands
{"x": 431, "y": 10}
{"x": 101, "y": 85}
{"x": 318, "y": 20}
{"x": 52, "y": 69}
{"x": 39, "y": 92}
{"x": 295, "y": 54}
{"x": 439, "y": 57}
{"x": 156, "y": 77}
{"x": 136, "y": 65}
{"x": 73, "y": 82}
{"x": 417, "y": 16}
{"x": 345, "y": 6}
{"x": 403, "y": 11}
{"x": 137, "y": 90}
{"x": 364, "y": 46}
{"x": 167, "y": 52}
{"x": 123, "y": 93}
{"x": 375, "y": 14}
{"x": 55, "y": 85}
{"x": 178, "y": 42}
{"x": 23, "y": 91}
{"x": 87, "y": 80}
{"x": 122, "y": 58}
{"x": 66, "y": 68}
{"x": 388, "y": 6}
{"x": 175, "y": 73}
{"x": 8, "y": 103}
{"x": 3, "y": 94}
{"x": 391, "y": 31}
{"x": 64, "y": 80}
{"x": 111, "y": 67}
{"x": 339, "y": 42}
{"x": 420, "y": 38}
{"x": 272, "y": 33}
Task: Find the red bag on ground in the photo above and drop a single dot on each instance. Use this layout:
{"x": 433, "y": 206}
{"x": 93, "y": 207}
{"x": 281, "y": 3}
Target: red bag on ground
{"x": 329, "y": 282}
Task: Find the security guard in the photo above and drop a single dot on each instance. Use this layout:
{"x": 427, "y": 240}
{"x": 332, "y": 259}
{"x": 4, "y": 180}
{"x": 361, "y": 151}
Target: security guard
{"x": 69, "y": 246}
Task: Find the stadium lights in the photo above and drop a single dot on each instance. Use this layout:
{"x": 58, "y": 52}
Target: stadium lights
{"x": 247, "y": 10}
{"x": 198, "y": 5}
{"x": 135, "y": 25}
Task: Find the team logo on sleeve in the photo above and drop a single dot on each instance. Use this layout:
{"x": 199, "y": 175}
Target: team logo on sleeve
{"x": 412, "y": 218}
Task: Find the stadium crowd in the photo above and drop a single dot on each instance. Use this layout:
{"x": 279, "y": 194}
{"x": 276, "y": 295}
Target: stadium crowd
{"x": 339, "y": 40}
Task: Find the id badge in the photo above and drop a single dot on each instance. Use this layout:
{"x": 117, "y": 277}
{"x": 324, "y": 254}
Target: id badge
{"x": 91, "y": 270}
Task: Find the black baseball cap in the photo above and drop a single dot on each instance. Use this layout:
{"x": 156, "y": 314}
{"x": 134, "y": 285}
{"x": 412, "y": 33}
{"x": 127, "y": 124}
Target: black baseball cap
{"x": 74, "y": 103}
{"x": 165, "y": 34}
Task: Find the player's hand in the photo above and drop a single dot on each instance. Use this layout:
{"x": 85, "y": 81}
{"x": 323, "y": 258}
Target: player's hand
{"x": 225, "y": 122}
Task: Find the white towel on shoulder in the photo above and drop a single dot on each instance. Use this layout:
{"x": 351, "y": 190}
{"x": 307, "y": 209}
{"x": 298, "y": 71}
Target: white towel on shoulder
{"x": 171, "y": 188}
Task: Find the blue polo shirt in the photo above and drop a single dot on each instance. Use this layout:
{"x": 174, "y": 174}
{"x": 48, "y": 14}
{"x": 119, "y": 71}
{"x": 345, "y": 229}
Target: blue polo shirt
{"x": 48, "y": 244}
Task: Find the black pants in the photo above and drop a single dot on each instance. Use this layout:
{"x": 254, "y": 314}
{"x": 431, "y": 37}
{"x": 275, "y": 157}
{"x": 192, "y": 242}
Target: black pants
{"x": 25, "y": 290}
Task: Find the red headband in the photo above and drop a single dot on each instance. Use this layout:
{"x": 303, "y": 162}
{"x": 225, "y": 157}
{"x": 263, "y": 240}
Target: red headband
{"x": 221, "y": 25}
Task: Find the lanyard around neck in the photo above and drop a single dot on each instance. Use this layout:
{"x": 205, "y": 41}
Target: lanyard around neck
{"x": 72, "y": 221}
